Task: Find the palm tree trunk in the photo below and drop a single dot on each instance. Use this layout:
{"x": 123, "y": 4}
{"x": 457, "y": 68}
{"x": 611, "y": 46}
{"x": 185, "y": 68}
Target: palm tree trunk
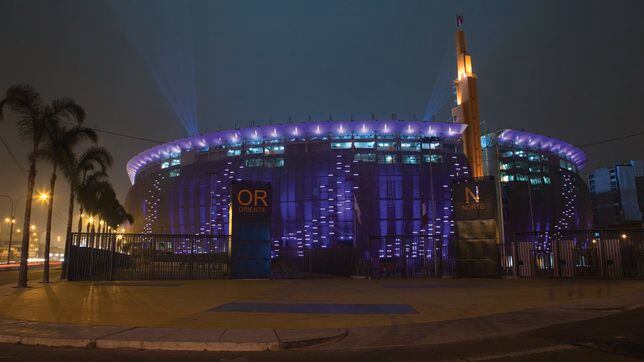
{"x": 80, "y": 219}
{"x": 24, "y": 248}
{"x": 50, "y": 209}
{"x": 68, "y": 233}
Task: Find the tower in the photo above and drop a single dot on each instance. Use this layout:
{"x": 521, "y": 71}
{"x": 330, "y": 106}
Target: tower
{"x": 467, "y": 106}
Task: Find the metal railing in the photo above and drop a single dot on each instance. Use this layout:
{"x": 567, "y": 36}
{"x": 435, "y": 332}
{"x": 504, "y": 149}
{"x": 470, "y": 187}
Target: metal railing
{"x": 607, "y": 254}
{"x": 94, "y": 256}
{"x": 407, "y": 256}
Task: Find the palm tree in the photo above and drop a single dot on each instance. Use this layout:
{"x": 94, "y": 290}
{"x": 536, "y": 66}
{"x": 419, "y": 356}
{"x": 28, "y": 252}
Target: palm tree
{"x": 92, "y": 164}
{"x": 26, "y": 103}
{"x": 59, "y": 142}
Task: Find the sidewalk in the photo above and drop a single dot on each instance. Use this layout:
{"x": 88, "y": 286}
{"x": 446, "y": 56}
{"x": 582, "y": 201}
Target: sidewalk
{"x": 271, "y": 315}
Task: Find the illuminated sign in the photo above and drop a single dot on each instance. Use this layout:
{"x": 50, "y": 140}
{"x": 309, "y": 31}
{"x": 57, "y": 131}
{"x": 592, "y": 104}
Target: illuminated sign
{"x": 250, "y": 228}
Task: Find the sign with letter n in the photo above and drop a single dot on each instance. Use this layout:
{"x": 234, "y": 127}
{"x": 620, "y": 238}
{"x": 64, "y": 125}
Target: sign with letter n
{"x": 250, "y": 228}
{"x": 475, "y": 217}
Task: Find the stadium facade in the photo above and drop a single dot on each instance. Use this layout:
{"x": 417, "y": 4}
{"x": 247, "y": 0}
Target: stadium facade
{"x": 342, "y": 182}
{"x": 540, "y": 183}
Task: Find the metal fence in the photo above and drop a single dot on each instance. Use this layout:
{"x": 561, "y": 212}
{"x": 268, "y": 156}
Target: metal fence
{"x": 94, "y": 256}
{"x": 608, "y": 254}
{"x": 407, "y": 256}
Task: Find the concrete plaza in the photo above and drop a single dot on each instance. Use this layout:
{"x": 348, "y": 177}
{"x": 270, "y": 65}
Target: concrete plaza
{"x": 274, "y": 313}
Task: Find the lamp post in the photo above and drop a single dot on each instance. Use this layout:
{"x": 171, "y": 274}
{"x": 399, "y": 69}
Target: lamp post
{"x": 11, "y": 220}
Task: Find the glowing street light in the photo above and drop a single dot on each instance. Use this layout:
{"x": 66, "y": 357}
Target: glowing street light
{"x": 624, "y": 236}
{"x": 43, "y": 196}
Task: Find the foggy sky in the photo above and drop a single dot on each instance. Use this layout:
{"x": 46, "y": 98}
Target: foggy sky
{"x": 568, "y": 69}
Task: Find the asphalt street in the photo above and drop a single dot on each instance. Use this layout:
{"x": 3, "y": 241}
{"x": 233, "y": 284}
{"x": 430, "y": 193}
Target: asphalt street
{"x": 617, "y": 337}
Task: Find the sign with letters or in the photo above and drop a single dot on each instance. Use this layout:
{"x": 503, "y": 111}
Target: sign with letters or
{"x": 475, "y": 217}
{"x": 250, "y": 228}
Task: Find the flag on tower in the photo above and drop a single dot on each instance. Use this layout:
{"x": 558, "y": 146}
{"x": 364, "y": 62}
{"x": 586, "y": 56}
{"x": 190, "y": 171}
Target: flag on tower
{"x": 459, "y": 20}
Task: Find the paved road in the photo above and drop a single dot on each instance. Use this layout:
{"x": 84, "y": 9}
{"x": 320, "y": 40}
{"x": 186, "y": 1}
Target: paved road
{"x": 618, "y": 337}
{"x": 35, "y": 275}
{"x": 314, "y": 303}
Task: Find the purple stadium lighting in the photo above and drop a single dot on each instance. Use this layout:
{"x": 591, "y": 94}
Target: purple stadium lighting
{"x": 544, "y": 143}
{"x": 308, "y": 130}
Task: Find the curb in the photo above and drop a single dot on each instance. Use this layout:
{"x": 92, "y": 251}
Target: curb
{"x": 188, "y": 345}
{"x": 111, "y": 341}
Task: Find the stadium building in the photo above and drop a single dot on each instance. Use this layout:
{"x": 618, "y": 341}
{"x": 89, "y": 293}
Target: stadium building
{"x": 333, "y": 183}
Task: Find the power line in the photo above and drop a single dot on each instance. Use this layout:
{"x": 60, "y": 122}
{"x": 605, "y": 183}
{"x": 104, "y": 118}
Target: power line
{"x": 611, "y": 139}
{"x": 13, "y": 157}
{"x": 138, "y": 138}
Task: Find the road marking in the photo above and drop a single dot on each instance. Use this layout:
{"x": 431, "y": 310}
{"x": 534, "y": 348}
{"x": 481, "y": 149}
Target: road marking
{"x": 555, "y": 348}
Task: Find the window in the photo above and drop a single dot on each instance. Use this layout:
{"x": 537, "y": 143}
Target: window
{"x": 274, "y": 150}
{"x": 522, "y": 177}
{"x": 433, "y": 158}
{"x": 175, "y": 153}
{"x": 544, "y": 158}
{"x": 507, "y": 154}
{"x": 431, "y": 146}
{"x": 175, "y": 162}
{"x": 535, "y": 169}
{"x": 535, "y": 180}
{"x": 507, "y": 166}
{"x": 274, "y": 162}
{"x": 520, "y": 153}
{"x": 254, "y": 162}
{"x": 363, "y": 144}
{"x": 506, "y": 177}
{"x": 364, "y": 157}
{"x": 410, "y": 159}
{"x": 340, "y": 145}
{"x": 386, "y": 146}
{"x": 165, "y": 165}
{"x": 175, "y": 173}
{"x": 546, "y": 180}
{"x": 254, "y": 150}
{"x": 522, "y": 165}
{"x": 534, "y": 157}
{"x": 386, "y": 159}
{"x": 408, "y": 146}
{"x": 233, "y": 152}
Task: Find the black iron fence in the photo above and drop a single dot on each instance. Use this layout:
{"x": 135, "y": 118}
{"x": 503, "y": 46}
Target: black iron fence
{"x": 567, "y": 254}
{"x": 94, "y": 256}
{"x": 608, "y": 254}
{"x": 407, "y": 256}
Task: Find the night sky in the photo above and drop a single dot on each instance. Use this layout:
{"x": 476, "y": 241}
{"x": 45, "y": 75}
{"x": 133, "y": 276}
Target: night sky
{"x": 162, "y": 70}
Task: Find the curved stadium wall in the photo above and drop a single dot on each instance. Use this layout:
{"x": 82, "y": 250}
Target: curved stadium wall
{"x": 333, "y": 183}
{"x": 342, "y": 182}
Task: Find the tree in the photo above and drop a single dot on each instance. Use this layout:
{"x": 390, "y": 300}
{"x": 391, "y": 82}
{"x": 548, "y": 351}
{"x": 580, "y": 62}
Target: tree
{"x": 26, "y": 103}
{"x": 91, "y": 165}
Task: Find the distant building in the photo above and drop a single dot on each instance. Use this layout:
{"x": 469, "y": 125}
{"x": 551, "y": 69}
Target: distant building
{"x": 618, "y": 195}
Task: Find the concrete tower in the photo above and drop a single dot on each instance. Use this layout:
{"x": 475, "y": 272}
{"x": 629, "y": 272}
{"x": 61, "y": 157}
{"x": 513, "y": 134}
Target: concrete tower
{"x": 467, "y": 108}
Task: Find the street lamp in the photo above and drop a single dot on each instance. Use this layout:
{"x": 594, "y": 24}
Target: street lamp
{"x": 11, "y": 220}
{"x": 43, "y": 196}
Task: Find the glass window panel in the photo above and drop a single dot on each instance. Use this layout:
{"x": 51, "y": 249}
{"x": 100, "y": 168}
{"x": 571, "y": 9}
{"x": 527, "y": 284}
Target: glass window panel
{"x": 254, "y": 162}
{"x": 364, "y": 157}
{"x": 340, "y": 145}
{"x": 255, "y": 150}
{"x": 274, "y": 150}
{"x": 363, "y": 144}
